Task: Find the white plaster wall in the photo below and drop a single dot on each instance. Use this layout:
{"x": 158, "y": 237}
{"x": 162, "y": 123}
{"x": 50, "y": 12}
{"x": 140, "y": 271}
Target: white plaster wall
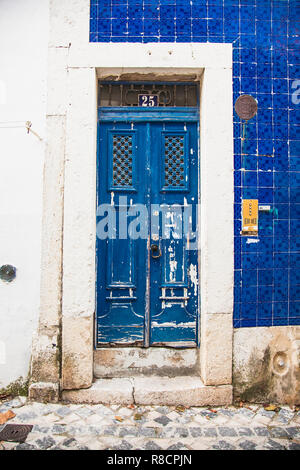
{"x": 23, "y": 59}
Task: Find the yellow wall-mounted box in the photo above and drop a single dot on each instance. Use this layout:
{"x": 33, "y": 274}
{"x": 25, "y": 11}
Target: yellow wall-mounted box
{"x": 250, "y": 217}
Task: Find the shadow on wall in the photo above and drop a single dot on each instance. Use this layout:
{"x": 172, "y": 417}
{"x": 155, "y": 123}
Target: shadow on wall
{"x": 267, "y": 365}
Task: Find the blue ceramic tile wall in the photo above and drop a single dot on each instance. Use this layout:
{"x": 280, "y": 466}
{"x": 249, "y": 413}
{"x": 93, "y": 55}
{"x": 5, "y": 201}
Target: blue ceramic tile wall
{"x": 266, "y": 64}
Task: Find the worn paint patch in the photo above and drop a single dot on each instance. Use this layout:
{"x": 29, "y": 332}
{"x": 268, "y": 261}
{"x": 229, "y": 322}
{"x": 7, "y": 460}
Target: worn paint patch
{"x": 252, "y": 240}
{"x": 194, "y": 277}
{"x": 174, "y": 324}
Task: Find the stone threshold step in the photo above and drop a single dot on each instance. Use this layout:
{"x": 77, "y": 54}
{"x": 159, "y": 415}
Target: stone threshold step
{"x": 154, "y": 361}
{"x": 152, "y": 390}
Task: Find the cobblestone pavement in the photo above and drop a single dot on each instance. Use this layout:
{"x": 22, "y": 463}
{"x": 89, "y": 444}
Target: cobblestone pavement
{"x": 68, "y": 426}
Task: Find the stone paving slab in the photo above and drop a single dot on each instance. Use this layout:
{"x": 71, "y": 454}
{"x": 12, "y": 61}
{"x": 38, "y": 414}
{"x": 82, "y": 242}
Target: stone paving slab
{"x": 98, "y": 427}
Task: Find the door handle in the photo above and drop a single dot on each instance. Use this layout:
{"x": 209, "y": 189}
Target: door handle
{"x": 155, "y": 251}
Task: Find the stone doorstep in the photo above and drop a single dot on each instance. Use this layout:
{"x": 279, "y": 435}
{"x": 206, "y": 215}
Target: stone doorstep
{"x": 117, "y": 362}
{"x": 152, "y": 390}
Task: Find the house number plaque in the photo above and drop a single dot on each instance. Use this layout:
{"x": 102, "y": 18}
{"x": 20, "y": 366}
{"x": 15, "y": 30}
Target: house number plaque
{"x": 148, "y": 100}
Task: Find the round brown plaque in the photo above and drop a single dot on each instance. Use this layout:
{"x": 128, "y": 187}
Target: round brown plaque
{"x": 246, "y": 107}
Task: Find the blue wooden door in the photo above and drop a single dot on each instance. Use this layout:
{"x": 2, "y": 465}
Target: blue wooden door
{"x": 147, "y": 265}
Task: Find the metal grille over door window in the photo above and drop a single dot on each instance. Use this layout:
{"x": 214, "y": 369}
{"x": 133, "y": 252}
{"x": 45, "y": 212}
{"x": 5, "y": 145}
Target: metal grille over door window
{"x": 122, "y": 160}
{"x": 174, "y": 161}
{"x": 163, "y": 95}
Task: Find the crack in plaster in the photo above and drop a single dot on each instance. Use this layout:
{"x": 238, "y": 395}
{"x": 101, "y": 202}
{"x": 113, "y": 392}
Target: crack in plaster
{"x": 133, "y": 390}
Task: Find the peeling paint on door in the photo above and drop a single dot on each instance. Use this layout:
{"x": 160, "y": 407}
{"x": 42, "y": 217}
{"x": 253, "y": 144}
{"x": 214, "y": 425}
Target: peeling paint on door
{"x": 147, "y": 287}
{"x": 194, "y": 277}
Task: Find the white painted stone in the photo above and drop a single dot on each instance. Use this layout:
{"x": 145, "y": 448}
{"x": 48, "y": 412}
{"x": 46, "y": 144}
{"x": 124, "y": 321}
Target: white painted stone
{"x": 69, "y": 23}
{"x": 151, "y": 55}
{"x": 44, "y": 392}
{"x": 77, "y": 352}
{"x": 45, "y": 366}
{"x": 80, "y": 195}
{"x": 50, "y": 305}
{"x": 45, "y": 362}
{"x": 217, "y": 197}
{"x": 216, "y": 349}
{"x": 57, "y": 81}
{"x": 79, "y": 227}
{"x": 245, "y": 343}
{"x": 188, "y": 391}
